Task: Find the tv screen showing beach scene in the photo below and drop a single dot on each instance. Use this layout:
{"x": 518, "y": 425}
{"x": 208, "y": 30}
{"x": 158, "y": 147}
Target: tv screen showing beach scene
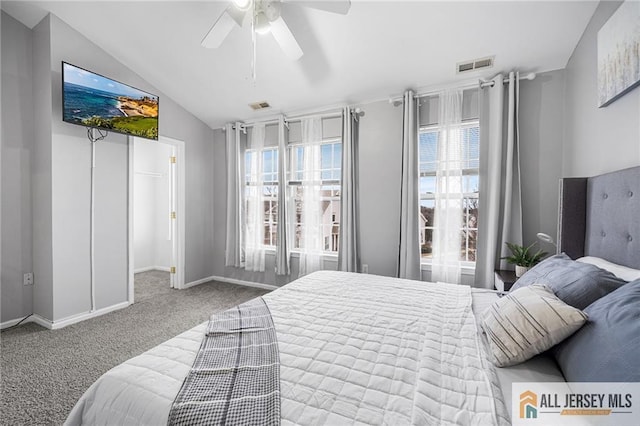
{"x": 92, "y": 100}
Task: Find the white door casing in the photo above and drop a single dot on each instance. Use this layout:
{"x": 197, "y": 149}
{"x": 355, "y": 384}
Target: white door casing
{"x": 177, "y": 191}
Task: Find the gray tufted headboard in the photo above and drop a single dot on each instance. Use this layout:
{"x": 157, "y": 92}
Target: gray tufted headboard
{"x": 600, "y": 216}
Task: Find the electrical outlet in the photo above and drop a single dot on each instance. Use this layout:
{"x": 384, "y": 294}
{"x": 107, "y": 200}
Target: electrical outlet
{"x": 27, "y": 279}
{"x": 365, "y": 268}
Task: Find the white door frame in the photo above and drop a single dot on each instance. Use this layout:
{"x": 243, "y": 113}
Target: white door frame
{"x": 178, "y": 242}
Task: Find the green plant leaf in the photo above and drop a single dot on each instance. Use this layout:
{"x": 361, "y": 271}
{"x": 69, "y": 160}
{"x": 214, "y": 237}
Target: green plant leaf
{"x": 522, "y": 256}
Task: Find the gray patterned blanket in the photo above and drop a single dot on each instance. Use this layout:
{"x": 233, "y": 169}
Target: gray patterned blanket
{"x": 235, "y": 378}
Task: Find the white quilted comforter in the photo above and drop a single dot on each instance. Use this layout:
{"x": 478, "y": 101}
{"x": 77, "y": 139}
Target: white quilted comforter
{"x": 354, "y": 349}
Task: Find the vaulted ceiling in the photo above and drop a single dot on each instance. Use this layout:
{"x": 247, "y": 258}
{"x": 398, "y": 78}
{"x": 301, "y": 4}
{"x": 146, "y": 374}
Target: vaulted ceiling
{"x": 379, "y": 49}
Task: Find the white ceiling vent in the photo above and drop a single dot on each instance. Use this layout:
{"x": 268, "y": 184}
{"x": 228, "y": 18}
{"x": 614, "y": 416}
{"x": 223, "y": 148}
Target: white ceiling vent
{"x": 475, "y": 64}
{"x": 259, "y": 105}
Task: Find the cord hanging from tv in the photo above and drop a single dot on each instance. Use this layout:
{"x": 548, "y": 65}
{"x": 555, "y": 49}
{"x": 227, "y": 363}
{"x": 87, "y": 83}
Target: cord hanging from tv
{"x": 91, "y": 134}
{"x": 98, "y": 102}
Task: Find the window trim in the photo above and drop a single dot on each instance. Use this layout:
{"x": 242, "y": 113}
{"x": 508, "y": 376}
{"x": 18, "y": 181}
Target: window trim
{"x": 467, "y": 268}
{"x": 295, "y": 253}
{"x": 426, "y": 263}
{"x": 263, "y": 184}
{"x": 322, "y": 182}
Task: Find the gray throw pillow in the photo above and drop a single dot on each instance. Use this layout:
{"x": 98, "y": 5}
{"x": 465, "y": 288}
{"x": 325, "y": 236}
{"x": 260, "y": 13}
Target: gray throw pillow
{"x": 606, "y": 348}
{"x": 527, "y": 322}
{"x": 575, "y": 283}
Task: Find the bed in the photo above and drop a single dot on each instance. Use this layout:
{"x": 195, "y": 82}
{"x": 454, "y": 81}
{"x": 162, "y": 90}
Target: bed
{"x": 357, "y": 348}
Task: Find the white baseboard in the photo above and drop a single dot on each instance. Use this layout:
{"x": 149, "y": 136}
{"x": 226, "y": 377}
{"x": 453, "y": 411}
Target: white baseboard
{"x": 245, "y": 283}
{"x": 198, "y": 282}
{"x": 230, "y": 281}
{"x": 31, "y": 318}
{"x": 152, "y": 268}
{"x": 42, "y": 321}
{"x": 55, "y": 325}
{"x": 11, "y": 323}
{"x": 85, "y": 316}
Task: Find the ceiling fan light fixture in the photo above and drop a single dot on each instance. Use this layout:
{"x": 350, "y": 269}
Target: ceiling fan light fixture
{"x": 262, "y": 25}
{"x": 243, "y": 4}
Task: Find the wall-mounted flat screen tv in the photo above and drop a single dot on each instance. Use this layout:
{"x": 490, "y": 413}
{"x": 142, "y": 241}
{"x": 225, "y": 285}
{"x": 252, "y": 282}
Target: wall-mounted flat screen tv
{"x": 91, "y": 100}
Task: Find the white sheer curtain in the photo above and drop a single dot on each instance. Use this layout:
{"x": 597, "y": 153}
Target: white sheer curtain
{"x": 233, "y": 243}
{"x": 283, "y": 241}
{"x": 448, "y": 211}
{"x": 348, "y": 250}
{"x": 311, "y": 244}
{"x": 500, "y": 215}
{"x": 254, "y": 231}
{"x": 409, "y": 248}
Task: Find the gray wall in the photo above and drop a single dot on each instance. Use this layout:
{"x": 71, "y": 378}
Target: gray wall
{"x": 177, "y": 123}
{"x": 380, "y": 155}
{"x": 71, "y": 161}
{"x": 71, "y": 170}
{"x": 60, "y": 181}
{"x": 380, "y": 169}
{"x": 563, "y": 133}
{"x": 541, "y": 121}
{"x": 380, "y": 162}
{"x": 597, "y": 140}
{"x": 332, "y": 127}
{"x": 41, "y": 188}
{"x": 17, "y": 147}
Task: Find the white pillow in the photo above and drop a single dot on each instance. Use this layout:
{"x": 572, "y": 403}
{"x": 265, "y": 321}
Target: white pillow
{"x": 526, "y": 322}
{"x": 622, "y": 272}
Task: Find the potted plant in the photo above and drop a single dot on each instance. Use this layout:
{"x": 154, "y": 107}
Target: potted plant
{"x": 523, "y": 257}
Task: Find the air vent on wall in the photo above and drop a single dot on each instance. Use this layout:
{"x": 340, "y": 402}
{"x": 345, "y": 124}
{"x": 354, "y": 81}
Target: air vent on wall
{"x": 259, "y": 105}
{"x": 475, "y": 64}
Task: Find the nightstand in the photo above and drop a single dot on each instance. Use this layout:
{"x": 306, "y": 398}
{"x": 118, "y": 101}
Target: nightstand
{"x": 504, "y": 280}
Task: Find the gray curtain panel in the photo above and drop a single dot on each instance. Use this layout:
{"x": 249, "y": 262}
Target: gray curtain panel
{"x": 409, "y": 249}
{"x": 233, "y": 245}
{"x": 348, "y": 251}
{"x": 500, "y": 215}
{"x": 283, "y": 242}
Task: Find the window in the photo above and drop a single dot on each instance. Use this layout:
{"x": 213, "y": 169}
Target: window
{"x": 326, "y": 173}
{"x": 266, "y": 185}
{"x": 312, "y": 189}
{"x": 428, "y": 161}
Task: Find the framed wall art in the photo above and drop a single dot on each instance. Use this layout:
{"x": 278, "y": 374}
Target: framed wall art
{"x": 619, "y": 53}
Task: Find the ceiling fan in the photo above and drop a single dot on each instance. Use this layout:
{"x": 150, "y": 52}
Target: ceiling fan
{"x": 266, "y": 18}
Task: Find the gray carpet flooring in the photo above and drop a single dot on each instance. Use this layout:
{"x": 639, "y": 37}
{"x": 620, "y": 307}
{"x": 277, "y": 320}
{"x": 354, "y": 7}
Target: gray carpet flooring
{"x": 44, "y": 372}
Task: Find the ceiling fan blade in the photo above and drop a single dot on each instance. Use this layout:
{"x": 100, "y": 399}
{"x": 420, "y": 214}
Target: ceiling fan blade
{"x": 237, "y": 14}
{"x": 334, "y": 6}
{"x": 285, "y": 39}
{"x": 223, "y": 26}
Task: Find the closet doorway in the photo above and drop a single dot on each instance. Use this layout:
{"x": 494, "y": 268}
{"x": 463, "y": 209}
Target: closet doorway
{"x": 156, "y": 209}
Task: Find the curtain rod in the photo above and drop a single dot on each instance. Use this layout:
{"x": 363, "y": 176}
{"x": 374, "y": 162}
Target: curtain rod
{"x": 315, "y": 112}
{"x": 329, "y": 114}
{"x": 266, "y": 123}
{"x": 397, "y": 100}
{"x": 321, "y": 115}
{"x": 491, "y": 83}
